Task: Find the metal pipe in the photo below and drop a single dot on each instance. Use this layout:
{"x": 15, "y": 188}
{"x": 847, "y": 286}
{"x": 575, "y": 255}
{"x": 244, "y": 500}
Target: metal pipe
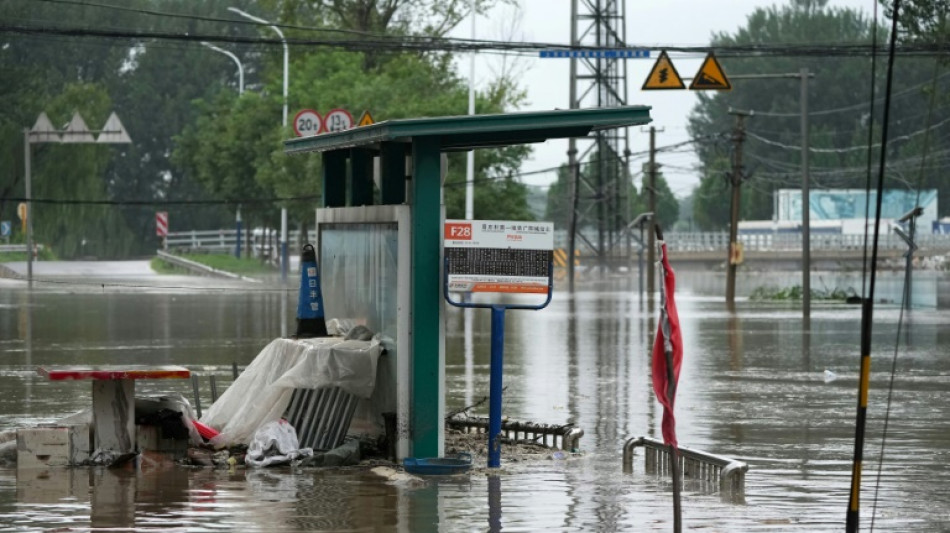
{"x": 495, "y": 385}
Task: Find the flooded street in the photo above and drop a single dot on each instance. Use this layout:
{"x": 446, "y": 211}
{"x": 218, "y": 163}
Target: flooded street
{"x": 753, "y": 387}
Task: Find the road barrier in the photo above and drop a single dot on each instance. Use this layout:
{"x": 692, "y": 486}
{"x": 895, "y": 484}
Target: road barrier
{"x": 722, "y": 473}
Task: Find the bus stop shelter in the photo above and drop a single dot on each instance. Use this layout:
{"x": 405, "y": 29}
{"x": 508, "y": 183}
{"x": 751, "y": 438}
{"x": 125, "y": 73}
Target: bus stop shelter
{"x": 410, "y": 175}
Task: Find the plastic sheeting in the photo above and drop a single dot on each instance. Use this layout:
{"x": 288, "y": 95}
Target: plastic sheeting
{"x": 262, "y": 392}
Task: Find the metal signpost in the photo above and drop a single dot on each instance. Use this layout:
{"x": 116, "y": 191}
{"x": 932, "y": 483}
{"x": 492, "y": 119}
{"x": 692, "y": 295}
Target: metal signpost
{"x": 500, "y": 258}
{"x": 43, "y": 131}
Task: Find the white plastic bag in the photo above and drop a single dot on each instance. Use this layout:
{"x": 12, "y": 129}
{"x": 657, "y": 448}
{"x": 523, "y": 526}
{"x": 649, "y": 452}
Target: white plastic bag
{"x": 275, "y": 443}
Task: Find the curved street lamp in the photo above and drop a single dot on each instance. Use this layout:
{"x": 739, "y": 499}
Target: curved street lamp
{"x": 283, "y": 210}
{"x": 233, "y": 58}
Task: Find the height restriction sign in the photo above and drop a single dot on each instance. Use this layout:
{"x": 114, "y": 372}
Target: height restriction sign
{"x": 498, "y": 256}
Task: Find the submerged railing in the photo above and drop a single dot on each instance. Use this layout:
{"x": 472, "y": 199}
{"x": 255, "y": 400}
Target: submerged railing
{"x": 728, "y": 475}
{"x": 566, "y": 437}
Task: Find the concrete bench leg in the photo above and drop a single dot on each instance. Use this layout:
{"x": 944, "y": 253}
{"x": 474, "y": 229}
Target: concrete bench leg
{"x": 113, "y": 415}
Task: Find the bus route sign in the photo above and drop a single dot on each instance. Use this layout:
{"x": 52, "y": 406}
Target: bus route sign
{"x": 498, "y": 256}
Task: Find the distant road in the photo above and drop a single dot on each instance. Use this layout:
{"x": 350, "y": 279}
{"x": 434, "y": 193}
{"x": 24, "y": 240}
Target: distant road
{"x": 84, "y": 269}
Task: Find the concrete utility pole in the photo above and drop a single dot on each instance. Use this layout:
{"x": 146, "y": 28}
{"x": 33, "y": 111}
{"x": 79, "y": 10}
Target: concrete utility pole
{"x": 735, "y": 180}
{"x": 806, "y": 207}
{"x": 803, "y": 75}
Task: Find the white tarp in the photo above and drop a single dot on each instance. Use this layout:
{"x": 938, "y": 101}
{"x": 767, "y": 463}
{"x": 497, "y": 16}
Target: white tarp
{"x": 262, "y": 392}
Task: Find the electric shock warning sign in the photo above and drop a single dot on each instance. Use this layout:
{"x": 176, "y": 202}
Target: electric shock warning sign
{"x": 498, "y": 256}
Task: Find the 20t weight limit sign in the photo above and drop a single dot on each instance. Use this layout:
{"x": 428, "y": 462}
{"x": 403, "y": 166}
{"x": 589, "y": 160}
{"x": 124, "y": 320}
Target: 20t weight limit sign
{"x": 307, "y": 122}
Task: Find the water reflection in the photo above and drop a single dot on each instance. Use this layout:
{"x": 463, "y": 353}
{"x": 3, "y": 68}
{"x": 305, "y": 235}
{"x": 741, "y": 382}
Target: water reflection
{"x": 752, "y": 387}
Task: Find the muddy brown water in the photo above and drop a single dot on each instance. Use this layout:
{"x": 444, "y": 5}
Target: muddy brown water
{"x": 754, "y": 387}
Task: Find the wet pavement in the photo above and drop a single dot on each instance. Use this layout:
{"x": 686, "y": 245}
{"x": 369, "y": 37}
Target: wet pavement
{"x": 754, "y": 387}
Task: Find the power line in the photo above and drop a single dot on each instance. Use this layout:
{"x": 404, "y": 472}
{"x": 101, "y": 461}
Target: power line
{"x": 848, "y": 148}
{"x": 424, "y": 43}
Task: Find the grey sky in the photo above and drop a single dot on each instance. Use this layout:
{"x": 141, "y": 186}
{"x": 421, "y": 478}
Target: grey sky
{"x": 649, "y": 22}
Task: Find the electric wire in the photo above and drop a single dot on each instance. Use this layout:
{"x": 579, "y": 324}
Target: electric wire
{"x": 852, "y": 517}
{"x": 905, "y": 297}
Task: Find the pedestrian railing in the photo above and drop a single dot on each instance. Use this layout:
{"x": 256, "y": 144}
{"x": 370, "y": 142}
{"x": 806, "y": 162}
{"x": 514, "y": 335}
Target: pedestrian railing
{"x": 711, "y": 471}
{"x": 565, "y": 437}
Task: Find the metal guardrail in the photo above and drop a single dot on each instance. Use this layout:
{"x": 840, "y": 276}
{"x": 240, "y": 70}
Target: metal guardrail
{"x": 728, "y": 475}
{"x": 15, "y": 248}
{"x": 566, "y": 437}
{"x": 199, "y": 268}
{"x": 713, "y": 241}
{"x": 225, "y": 241}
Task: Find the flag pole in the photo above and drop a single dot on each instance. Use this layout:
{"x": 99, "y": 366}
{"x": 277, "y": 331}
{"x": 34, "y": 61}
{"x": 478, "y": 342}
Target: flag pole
{"x": 670, "y": 394}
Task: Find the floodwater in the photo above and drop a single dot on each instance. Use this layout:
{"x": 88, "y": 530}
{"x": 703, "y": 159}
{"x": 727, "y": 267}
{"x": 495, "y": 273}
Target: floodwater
{"x": 754, "y": 387}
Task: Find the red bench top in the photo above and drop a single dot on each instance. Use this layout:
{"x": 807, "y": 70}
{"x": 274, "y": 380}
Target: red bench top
{"x": 115, "y": 372}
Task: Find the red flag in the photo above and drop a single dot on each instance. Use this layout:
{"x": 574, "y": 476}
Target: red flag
{"x": 667, "y": 350}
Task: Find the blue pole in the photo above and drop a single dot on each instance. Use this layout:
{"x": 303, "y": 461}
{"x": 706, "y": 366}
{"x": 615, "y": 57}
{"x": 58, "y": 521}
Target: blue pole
{"x": 494, "y": 402}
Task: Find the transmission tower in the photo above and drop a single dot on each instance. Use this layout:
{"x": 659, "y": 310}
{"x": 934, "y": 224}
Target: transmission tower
{"x": 599, "y": 163}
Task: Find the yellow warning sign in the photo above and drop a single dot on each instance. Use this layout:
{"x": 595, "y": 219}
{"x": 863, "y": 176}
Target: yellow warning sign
{"x": 663, "y": 76}
{"x": 710, "y": 77}
{"x": 365, "y": 120}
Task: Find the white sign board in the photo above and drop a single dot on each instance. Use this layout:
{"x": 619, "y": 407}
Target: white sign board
{"x": 498, "y": 256}
{"x": 307, "y": 122}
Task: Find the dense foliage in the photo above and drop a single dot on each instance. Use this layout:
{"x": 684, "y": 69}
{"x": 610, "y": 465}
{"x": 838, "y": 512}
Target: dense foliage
{"x": 196, "y": 143}
{"x": 839, "y": 114}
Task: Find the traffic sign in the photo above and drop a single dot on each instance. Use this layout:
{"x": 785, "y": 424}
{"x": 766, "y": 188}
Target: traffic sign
{"x": 365, "y": 120}
{"x": 337, "y": 120}
{"x": 663, "y": 76}
{"x": 161, "y": 223}
{"x": 606, "y": 53}
{"x": 307, "y": 122}
{"x": 710, "y": 76}
{"x": 5, "y": 228}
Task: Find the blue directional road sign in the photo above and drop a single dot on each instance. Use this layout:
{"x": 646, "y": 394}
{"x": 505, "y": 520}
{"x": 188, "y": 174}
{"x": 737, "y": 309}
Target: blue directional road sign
{"x": 609, "y": 53}
{"x": 5, "y": 228}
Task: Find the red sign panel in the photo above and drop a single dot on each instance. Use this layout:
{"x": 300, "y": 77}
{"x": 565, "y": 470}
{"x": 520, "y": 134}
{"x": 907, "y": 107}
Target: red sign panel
{"x": 458, "y": 231}
{"x": 161, "y": 223}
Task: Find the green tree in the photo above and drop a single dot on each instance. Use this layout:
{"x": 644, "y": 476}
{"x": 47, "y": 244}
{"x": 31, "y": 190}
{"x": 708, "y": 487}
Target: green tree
{"x": 839, "y": 95}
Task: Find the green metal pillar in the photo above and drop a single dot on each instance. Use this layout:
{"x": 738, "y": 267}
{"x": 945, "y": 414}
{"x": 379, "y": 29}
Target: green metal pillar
{"x": 334, "y": 178}
{"x": 392, "y": 169}
{"x": 426, "y": 322}
{"x": 361, "y": 177}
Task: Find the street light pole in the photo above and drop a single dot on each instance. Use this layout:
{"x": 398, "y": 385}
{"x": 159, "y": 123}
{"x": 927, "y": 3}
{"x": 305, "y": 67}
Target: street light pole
{"x": 29, "y": 208}
{"x": 283, "y": 210}
{"x": 233, "y": 58}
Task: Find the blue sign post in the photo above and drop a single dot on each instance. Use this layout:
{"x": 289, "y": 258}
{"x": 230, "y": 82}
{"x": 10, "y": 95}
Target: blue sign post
{"x": 498, "y": 257}
{"x": 5, "y": 228}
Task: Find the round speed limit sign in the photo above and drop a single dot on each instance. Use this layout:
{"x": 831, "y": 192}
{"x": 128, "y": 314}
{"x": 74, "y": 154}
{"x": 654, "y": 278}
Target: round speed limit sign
{"x": 307, "y": 122}
{"x": 338, "y": 120}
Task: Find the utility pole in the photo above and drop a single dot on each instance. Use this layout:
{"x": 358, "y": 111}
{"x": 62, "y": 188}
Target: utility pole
{"x": 572, "y": 160}
{"x": 735, "y": 180}
{"x": 806, "y": 208}
{"x": 651, "y": 234}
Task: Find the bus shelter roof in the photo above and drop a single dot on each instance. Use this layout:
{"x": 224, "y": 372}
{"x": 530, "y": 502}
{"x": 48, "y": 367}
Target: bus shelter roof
{"x": 466, "y": 132}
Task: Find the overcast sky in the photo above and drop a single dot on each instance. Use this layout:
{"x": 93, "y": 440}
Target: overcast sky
{"x": 649, "y": 22}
